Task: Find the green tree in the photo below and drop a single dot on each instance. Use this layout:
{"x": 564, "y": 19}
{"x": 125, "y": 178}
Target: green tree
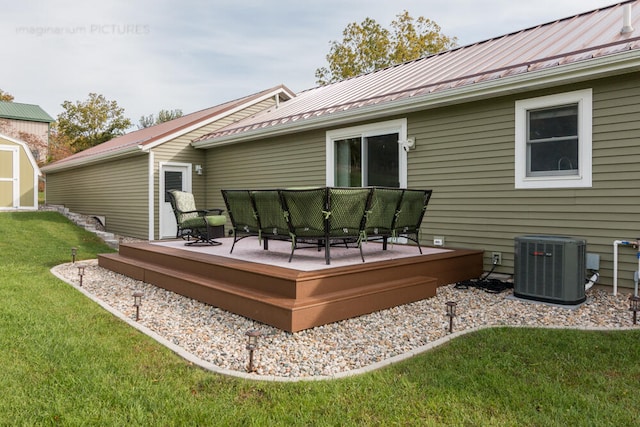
{"x": 92, "y": 122}
{"x": 5, "y": 96}
{"x": 368, "y": 46}
{"x": 163, "y": 116}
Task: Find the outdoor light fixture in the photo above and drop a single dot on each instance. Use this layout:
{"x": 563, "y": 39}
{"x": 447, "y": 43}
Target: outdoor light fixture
{"x": 252, "y": 344}
{"x": 634, "y": 306}
{"x": 74, "y": 252}
{"x": 81, "y": 273}
{"x": 137, "y": 302}
{"x": 451, "y": 313}
{"x": 198, "y": 169}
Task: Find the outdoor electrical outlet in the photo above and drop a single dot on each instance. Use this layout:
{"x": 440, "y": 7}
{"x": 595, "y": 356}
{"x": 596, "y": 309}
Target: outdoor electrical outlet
{"x": 438, "y": 241}
{"x": 496, "y": 258}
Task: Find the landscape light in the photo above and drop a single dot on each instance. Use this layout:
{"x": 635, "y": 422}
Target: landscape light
{"x": 137, "y": 302}
{"x": 81, "y": 273}
{"x": 252, "y": 344}
{"x": 634, "y": 306}
{"x": 451, "y": 313}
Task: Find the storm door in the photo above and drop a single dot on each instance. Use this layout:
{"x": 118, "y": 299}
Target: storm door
{"x": 172, "y": 177}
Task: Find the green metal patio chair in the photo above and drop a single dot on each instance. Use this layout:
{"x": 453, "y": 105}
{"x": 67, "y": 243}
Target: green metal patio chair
{"x": 272, "y": 220}
{"x": 307, "y": 217}
{"x": 196, "y": 225}
{"x": 381, "y": 216}
{"x": 242, "y": 213}
{"x": 410, "y": 214}
{"x": 346, "y": 208}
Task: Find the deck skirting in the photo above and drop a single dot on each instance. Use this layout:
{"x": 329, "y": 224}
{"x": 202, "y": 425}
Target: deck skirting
{"x": 290, "y": 299}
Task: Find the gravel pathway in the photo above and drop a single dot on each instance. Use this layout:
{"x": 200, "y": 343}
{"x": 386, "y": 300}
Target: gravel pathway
{"x": 350, "y": 346}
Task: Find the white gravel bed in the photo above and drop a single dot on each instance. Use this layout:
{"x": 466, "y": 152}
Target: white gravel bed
{"x": 218, "y": 337}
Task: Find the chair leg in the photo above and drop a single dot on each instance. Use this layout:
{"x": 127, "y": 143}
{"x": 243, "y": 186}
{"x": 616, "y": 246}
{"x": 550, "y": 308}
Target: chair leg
{"x": 201, "y": 235}
{"x": 293, "y": 248}
{"x": 234, "y": 241}
{"x": 327, "y": 251}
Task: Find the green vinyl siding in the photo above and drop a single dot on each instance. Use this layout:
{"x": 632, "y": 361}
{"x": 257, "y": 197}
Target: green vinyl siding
{"x": 290, "y": 161}
{"x": 117, "y": 190}
{"x": 466, "y": 154}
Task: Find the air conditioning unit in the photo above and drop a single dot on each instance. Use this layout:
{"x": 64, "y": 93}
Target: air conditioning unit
{"x": 550, "y": 269}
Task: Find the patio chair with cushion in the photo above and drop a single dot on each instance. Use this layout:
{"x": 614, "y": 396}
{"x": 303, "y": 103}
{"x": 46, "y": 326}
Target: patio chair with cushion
{"x": 196, "y": 225}
{"x": 346, "y": 209}
{"x": 242, "y": 213}
{"x": 272, "y": 218}
{"x": 307, "y": 217}
{"x": 410, "y": 214}
{"x": 381, "y": 216}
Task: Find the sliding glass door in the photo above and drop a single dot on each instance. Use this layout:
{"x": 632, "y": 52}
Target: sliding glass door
{"x": 367, "y": 156}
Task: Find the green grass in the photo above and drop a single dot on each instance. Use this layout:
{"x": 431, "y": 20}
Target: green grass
{"x": 65, "y": 361}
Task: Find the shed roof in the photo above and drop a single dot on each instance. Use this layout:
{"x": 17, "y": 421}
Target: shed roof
{"x": 27, "y": 112}
{"x": 506, "y": 63}
{"x": 139, "y": 140}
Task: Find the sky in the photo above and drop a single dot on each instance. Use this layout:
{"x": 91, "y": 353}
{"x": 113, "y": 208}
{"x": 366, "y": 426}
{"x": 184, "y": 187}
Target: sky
{"x": 149, "y": 55}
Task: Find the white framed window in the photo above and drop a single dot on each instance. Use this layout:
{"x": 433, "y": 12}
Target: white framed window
{"x": 553, "y": 141}
{"x": 367, "y": 155}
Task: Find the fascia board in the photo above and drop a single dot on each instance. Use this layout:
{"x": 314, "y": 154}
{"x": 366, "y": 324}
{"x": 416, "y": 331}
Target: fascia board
{"x": 570, "y": 73}
{"x": 71, "y": 164}
{"x": 214, "y": 118}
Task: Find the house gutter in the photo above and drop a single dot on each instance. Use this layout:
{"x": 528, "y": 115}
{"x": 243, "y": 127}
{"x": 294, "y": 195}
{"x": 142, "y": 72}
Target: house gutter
{"x": 605, "y": 66}
{"x": 71, "y": 164}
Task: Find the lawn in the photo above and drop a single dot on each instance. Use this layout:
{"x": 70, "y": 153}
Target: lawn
{"x": 66, "y": 361}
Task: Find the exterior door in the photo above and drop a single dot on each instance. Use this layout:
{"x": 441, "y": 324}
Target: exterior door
{"x": 368, "y": 161}
{"x": 368, "y": 155}
{"x": 9, "y": 190}
{"x": 172, "y": 177}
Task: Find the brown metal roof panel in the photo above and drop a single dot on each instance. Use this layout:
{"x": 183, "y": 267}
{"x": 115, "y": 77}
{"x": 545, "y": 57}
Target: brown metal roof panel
{"x": 559, "y": 42}
{"x": 150, "y": 134}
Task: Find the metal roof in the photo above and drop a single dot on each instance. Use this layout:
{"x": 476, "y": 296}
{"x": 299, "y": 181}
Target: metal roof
{"x": 515, "y": 56}
{"x": 145, "y": 138}
{"x": 27, "y": 112}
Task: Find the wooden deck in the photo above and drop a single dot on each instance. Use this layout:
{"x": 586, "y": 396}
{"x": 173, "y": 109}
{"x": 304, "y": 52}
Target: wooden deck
{"x": 281, "y": 295}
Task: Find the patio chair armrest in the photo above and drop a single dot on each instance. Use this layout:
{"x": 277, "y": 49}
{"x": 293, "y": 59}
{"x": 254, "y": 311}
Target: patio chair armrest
{"x": 200, "y": 212}
{"x": 215, "y": 211}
